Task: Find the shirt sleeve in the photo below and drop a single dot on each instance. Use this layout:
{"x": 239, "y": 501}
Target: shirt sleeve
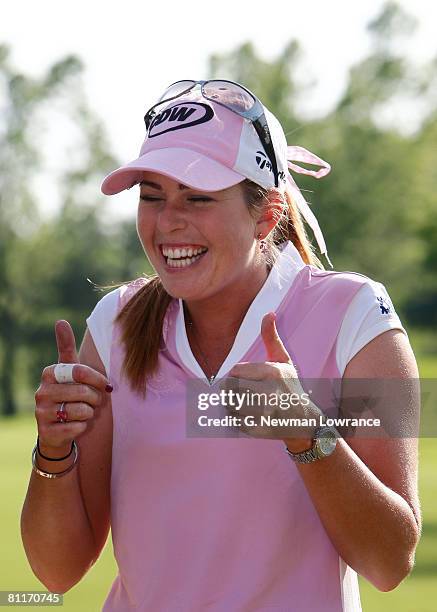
{"x": 100, "y": 323}
{"x": 370, "y": 313}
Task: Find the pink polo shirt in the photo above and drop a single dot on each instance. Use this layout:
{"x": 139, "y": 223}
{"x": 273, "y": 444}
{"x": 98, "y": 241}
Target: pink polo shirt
{"x": 225, "y": 524}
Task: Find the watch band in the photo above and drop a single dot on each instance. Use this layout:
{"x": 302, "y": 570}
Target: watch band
{"x": 307, "y": 456}
{"x": 315, "y": 452}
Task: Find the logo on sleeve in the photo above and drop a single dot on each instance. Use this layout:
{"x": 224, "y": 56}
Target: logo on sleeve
{"x": 384, "y": 305}
{"x": 179, "y": 116}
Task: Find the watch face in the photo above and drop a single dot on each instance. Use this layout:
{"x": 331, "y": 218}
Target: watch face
{"x": 327, "y": 442}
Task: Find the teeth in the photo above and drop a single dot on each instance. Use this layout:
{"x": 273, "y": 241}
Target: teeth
{"x": 181, "y": 263}
{"x": 182, "y": 253}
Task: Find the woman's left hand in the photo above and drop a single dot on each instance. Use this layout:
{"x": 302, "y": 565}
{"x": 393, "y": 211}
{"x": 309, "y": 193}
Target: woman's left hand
{"x": 278, "y": 380}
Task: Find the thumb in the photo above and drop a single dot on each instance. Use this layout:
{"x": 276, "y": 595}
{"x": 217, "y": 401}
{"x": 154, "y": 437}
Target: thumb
{"x": 66, "y": 343}
{"x": 276, "y": 351}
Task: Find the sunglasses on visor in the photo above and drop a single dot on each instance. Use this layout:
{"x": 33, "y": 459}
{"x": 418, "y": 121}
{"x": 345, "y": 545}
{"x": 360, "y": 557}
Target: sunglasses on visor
{"x": 232, "y": 96}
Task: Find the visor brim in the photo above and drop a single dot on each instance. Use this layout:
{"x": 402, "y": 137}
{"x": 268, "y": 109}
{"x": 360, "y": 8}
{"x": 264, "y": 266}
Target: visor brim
{"x": 188, "y": 167}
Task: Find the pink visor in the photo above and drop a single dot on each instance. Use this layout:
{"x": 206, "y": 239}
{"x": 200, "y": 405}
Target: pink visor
{"x": 207, "y": 147}
{"x": 192, "y": 141}
{"x": 189, "y": 167}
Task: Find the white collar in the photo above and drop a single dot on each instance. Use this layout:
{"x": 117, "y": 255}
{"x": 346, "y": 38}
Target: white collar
{"x": 269, "y": 297}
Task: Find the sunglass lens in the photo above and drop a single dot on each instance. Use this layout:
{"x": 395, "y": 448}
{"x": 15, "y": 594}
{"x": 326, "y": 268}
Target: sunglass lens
{"x": 230, "y": 94}
{"x": 176, "y": 89}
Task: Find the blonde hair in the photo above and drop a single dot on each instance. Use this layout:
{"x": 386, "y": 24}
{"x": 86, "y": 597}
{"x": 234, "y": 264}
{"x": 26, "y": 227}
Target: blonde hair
{"x": 141, "y": 319}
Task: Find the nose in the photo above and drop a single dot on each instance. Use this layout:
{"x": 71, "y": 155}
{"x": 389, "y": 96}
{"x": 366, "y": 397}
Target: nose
{"x": 171, "y": 217}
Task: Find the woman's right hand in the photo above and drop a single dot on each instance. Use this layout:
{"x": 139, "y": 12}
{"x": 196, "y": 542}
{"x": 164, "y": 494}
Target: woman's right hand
{"x": 81, "y": 398}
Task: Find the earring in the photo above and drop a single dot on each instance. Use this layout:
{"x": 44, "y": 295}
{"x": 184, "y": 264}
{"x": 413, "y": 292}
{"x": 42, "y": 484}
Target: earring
{"x": 262, "y": 243}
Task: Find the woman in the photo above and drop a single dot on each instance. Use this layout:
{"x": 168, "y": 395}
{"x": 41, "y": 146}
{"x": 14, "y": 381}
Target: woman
{"x": 201, "y": 518}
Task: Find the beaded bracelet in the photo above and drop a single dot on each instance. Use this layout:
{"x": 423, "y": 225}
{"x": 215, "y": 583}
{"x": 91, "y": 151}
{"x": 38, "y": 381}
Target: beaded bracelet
{"x": 51, "y": 458}
{"x": 54, "y": 474}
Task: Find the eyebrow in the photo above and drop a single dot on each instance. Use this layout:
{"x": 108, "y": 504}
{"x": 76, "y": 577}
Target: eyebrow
{"x": 158, "y": 187}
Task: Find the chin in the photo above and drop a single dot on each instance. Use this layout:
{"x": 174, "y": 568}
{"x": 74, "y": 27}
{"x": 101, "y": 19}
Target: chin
{"x": 183, "y": 293}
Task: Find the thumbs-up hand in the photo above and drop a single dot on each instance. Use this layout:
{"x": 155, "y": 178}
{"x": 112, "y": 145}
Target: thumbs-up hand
{"x": 276, "y": 353}
{"x": 278, "y": 392}
{"x": 66, "y": 343}
{"x": 79, "y": 399}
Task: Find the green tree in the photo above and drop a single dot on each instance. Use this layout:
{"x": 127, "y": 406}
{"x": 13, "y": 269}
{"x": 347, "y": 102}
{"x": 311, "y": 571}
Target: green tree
{"x": 376, "y": 208}
{"x": 40, "y": 262}
{"x": 19, "y": 161}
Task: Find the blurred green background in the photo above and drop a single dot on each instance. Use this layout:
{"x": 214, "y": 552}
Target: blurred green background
{"x": 378, "y": 212}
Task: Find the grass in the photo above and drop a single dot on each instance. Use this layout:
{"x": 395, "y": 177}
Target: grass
{"x": 418, "y": 593}
{"x": 17, "y": 438}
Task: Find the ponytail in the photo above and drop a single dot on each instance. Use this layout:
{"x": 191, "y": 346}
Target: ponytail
{"x": 141, "y": 322}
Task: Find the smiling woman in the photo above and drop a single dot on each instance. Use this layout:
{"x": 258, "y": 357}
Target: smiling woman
{"x": 176, "y": 255}
{"x": 220, "y": 224}
{"x": 239, "y": 300}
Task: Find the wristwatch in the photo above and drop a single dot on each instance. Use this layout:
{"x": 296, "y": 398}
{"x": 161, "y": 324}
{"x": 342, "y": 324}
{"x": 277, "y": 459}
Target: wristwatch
{"x": 324, "y": 443}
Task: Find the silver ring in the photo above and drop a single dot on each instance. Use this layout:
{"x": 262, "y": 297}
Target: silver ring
{"x": 64, "y": 372}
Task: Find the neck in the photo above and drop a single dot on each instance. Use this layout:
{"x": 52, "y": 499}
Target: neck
{"x": 217, "y": 319}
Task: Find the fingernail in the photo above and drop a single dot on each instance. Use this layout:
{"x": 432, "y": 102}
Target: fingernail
{"x": 109, "y": 388}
